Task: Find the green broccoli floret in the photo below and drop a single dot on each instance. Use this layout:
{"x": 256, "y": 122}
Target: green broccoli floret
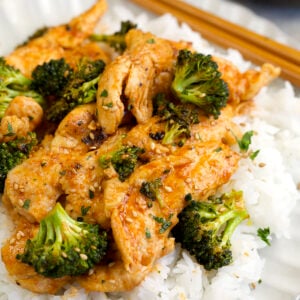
{"x": 123, "y": 160}
{"x": 178, "y": 117}
{"x": 150, "y": 189}
{"x": 12, "y": 84}
{"x": 64, "y": 246}
{"x": 50, "y": 78}
{"x": 13, "y": 153}
{"x": 117, "y": 39}
{"x": 205, "y": 228}
{"x": 198, "y": 81}
{"x": 80, "y": 89}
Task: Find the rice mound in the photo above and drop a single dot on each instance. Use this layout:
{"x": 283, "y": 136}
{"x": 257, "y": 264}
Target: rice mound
{"x": 265, "y": 181}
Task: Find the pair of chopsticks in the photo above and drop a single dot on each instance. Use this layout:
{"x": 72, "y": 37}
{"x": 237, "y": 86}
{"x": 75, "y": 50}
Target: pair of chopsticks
{"x": 254, "y": 47}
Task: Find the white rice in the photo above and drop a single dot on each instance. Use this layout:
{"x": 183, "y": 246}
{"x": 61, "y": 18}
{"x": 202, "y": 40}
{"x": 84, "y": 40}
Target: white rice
{"x": 269, "y": 184}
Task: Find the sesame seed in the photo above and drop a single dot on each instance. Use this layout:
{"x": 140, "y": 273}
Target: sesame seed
{"x": 77, "y": 249}
{"x": 20, "y": 234}
{"x": 111, "y": 264}
{"x": 20, "y": 202}
{"x": 64, "y": 255}
{"x": 129, "y": 220}
{"x": 188, "y": 180}
{"x": 168, "y": 189}
{"x": 92, "y": 189}
{"x": 16, "y": 186}
{"x": 152, "y": 146}
{"x": 134, "y": 213}
{"x": 92, "y": 136}
{"x": 83, "y": 256}
{"x": 261, "y": 165}
{"x": 91, "y": 271}
{"x": 92, "y": 125}
{"x": 12, "y": 241}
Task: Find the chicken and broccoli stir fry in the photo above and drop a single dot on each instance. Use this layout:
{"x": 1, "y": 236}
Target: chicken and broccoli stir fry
{"x": 110, "y": 155}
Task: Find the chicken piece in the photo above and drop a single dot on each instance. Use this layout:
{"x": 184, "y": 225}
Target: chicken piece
{"x": 244, "y": 86}
{"x": 110, "y": 107}
{"x": 83, "y": 184}
{"x": 141, "y": 230}
{"x": 208, "y": 129}
{"x": 23, "y": 115}
{"x": 145, "y": 69}
{"x": 37, "y": 179}
{"x": 90, "y": 50}
{"x": 32, "y": 187}
{"x": 56, "y": 40}
{"x": 78, "y": 131}
{"x": 24, "y": 274}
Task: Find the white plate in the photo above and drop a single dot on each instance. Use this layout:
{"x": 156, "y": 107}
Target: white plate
{"x": 19, "y": 18}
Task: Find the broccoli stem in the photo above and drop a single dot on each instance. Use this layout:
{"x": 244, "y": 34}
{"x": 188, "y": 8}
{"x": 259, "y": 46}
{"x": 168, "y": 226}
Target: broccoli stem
{"x": 232, "y": 224}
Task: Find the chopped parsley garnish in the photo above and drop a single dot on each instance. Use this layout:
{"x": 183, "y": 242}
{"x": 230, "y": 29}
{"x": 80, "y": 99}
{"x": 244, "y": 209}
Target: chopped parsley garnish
{"x": 254, "y": 154}
{"x": 264, "y": 234}
{"x": 245, "y": 141}
{"x": 26, "y": 204}
{"x": 148, "y": 233}
{"x": 84, "y": 210}
{"x": 91, "y": 194}
{"x": 165, "y": 223}
{"x": 104, "y": 93}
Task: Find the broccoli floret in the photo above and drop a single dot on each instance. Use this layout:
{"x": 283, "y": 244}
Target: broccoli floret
{"x": 81, "y": 88}
{"x": 150, "y": 189}
{"x": 117, "y": 39}
{"x": 64, "y": 246}
{"x": 198, "y": 81}
{"x": 123, "y": 160}
{"x": 178, "y": 117}
{"x": 13, "y": 153}
{"x": 12, "y": 84}
{"x": 205, "y": 228}
{"x": 50, "y": 78}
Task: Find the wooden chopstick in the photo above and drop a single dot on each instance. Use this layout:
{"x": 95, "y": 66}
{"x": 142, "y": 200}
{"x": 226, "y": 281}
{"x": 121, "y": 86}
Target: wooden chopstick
{"x": 253, "y": 46}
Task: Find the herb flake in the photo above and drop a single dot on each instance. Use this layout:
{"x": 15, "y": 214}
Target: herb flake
{"x": 264, "y": 234}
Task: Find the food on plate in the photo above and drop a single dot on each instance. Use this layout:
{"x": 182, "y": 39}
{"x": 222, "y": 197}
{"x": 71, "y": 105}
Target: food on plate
{"x": 64, "y": 246}
{"x": 205, "y": 228}
{"x": 135, "y": 143}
